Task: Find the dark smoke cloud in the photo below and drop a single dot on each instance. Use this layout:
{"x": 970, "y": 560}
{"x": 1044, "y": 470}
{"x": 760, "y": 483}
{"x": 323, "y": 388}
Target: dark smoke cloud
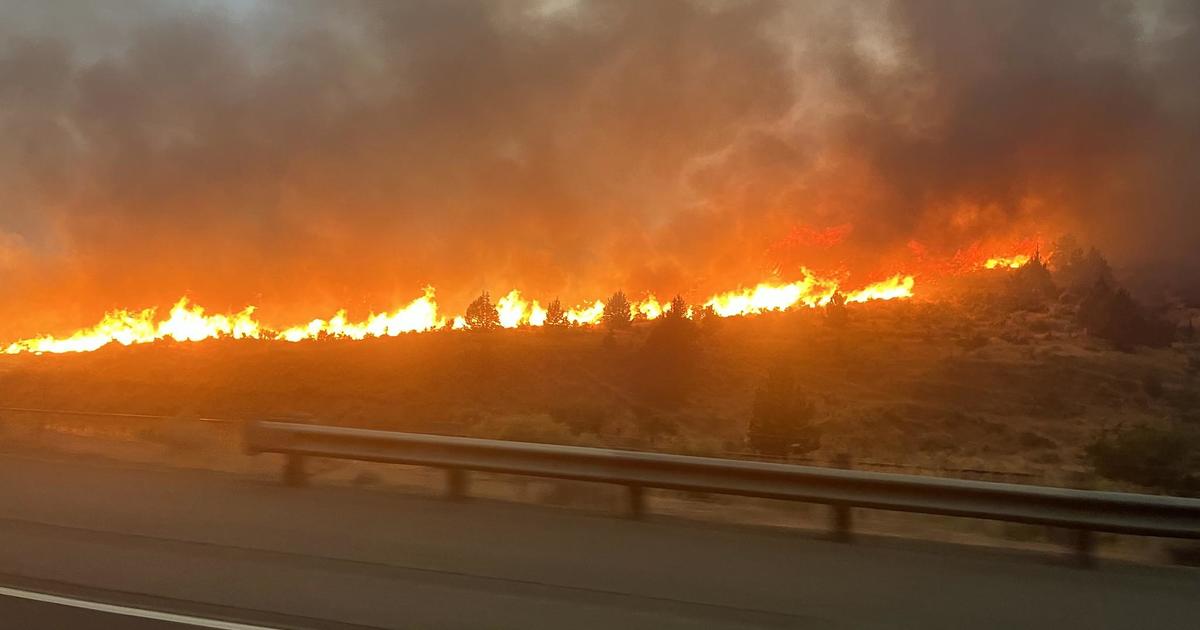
{"x": 303, "y": 156}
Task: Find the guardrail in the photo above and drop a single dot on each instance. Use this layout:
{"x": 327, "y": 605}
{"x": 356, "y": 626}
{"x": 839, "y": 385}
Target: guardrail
{"x": 1082, "y": 511}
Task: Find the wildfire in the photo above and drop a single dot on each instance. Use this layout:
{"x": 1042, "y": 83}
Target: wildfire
{"x": 419, "y": 316}
{"x": 187, "y": 322}
{"x": 810, "y": 291}
{"x": 1007, "y": 262}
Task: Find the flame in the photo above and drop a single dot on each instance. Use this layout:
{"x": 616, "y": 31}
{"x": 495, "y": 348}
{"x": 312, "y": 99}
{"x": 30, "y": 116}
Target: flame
{"x": 586, "y": 315}
{"x": 896, "y": 287}
{"x": 515, "y": 311}
{"x": 1007, "y": 262}
{"x": 419, "y": 316}
{"x": 186, "y": 323}
{"x": 190, "y": 323}
{"x": 810, "y": 291}
{"x": 649, "y": 308}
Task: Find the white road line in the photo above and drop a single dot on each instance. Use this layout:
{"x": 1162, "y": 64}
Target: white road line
{"x": 155, "y": 615}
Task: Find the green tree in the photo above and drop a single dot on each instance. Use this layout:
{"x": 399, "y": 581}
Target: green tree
{"x": 616, "y": 312}
{"x": 556, "y": 317}
{"x": 482, "y": 314}
{"x": 781, "y": 422}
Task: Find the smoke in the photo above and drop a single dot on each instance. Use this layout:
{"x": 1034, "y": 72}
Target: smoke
{"x": 310, "y": 156}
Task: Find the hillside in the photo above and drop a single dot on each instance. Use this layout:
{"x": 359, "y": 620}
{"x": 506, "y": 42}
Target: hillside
{"x": 904, "y": 385}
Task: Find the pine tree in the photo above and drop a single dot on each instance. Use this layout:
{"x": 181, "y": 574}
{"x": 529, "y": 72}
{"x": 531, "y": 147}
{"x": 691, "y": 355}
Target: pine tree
{"x": 782, "y": 418}
{"x": 677, "y": 311}
{"x": 482, "y": 314}
{"x": 616, "y": 312}
{"x": 556, "y": 317}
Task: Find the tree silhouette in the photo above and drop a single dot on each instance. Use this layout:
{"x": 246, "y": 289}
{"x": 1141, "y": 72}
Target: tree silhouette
{"x": 678, "y": 310}
{"x": 782, "y": 419}
{"x": 1114, "y": 315}
{"x": 482, "y": 314}
{"x": 668, "y": 358}
{"x": 1030, "y": 287}
{"x": 556, "y": 317}
{"x": 1079, "y": 271}
{"x": 835, "y": 311}
{"x": 616, "y": 312}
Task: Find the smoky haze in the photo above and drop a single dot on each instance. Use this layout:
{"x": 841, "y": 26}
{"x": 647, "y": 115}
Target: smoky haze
{"x": 309, "y": 156}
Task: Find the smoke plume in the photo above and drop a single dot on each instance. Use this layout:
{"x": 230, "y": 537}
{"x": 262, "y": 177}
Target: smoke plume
{"x": 309, "y": 156}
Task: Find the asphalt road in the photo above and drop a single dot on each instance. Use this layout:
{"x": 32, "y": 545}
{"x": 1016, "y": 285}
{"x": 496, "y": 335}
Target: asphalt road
{"x": 239, "y": 549}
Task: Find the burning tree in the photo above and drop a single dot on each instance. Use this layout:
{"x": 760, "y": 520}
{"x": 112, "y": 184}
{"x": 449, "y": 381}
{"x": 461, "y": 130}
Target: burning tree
{"x": 677, "y": 311}
{"x": 1031, "y": 286}
{"x": 556, "y": 317}
{"x": 782, "y": 419}
{"x": 835, "y": 311}
{"x": 616, "y": 312}
{"x": 482, "y": 314}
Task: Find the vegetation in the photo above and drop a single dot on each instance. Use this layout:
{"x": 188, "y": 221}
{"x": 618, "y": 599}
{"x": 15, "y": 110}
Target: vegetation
{"x": 1112, "y": 314}
{"x": 616, "y": 312}
{"x": 1164, "y": 458}
{"x": 934, "y": 386}
{"x": 781, "y": 422}
{"x": 1031, "y": 287}
{"x": 835, "y": 311}
{"x": 556, "y": 317}
{"x": 667, "y": 364}
{"x": 482, "y": 314}
{"x": 1078, "y": 271}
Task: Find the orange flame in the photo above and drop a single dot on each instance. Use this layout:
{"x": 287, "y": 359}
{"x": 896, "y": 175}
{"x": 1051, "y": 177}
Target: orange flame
{"x": 184, "y": 324}
{"x": 1007, "y": 262}
{"x": 420, "y": 315}
{"x": 189, "y": 323}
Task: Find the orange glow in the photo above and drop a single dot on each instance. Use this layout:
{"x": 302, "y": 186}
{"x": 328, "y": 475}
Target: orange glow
{"x": 1007, "y": 262}
{"x": 515, "y": 311}
{"x": 649, "y": 308}
{"x": 586, "y": 315}
{"x": 186, "y": 323}
{"x": 811, "y": 291}
{"x": 190, "y": 323}
{"x": 420, "y": 315}
{"x": 896, "y": 287}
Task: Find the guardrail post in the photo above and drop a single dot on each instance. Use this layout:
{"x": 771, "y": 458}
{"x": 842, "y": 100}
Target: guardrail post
{"x": 843, "y": 518}
{"x": 637, "y": 501}
{"x": 456, "y": 484}
{"x": 1085, "y": 545}
{"x": 293, "y": 470}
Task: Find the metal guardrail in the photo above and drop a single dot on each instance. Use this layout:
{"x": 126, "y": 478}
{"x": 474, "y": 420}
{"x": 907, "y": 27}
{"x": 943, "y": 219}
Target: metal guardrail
{"x": 1082, "y": 511}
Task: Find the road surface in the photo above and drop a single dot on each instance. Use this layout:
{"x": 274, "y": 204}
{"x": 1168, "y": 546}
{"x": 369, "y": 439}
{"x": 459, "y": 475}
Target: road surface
{"x": 243, "y": 549}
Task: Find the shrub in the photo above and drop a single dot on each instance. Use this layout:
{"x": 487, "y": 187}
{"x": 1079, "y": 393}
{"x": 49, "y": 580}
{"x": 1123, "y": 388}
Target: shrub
{"x": 1113, "y": 315}
{"x": 1162, "y": 458}
{"x": 482, "y": 314}
{"x": 782, "y": 418}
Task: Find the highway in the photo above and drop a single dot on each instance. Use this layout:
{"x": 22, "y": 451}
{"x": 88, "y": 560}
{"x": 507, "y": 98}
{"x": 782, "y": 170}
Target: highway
{"x": 243, "y": 551}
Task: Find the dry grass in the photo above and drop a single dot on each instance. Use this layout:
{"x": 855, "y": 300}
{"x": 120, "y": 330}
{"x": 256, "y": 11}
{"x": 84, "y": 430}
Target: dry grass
{"x": 905, "y": 386}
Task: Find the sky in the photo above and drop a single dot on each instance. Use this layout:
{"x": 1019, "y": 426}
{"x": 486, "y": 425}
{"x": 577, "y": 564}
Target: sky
{"x": 310, "y": 156}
